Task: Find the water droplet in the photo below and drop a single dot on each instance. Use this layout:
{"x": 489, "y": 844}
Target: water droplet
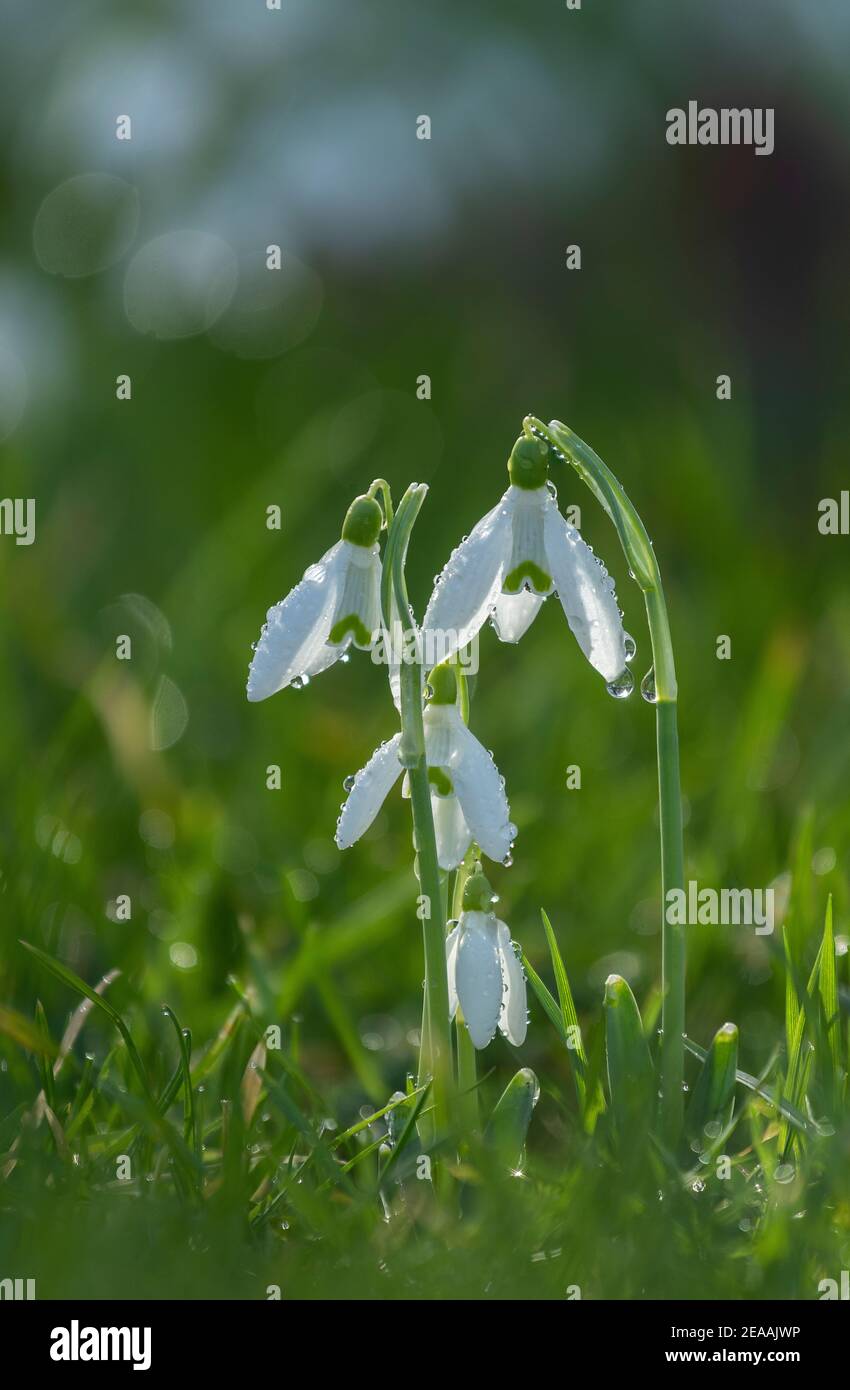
{"x": 631, "y": 646}
{"x": 512, "y": 830}
{"x": 647, "y": 687}
{"x": 622, "y": 687}
{"x": 508, "y": 861}
{"x": 786, "y": 1172}
{"x": 346, "y": 657}
{"x": 348, "y": 783}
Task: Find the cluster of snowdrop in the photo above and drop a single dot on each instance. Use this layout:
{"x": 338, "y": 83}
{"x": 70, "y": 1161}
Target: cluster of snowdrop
{"x": 519, "y": 553}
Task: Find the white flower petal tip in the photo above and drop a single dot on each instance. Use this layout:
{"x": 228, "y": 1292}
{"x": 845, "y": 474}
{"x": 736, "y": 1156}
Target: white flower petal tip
{"x": 480, "y": 789}
{"x": 293, "y": 641}
{"x": 587, "y": 596}
{"x": 336, "y": 603}
{"x": 514, "y": 614}
{"x": 478, "y": 975}
{"x": 367, "y": 793}
{"x": 452, "y": 833}
{"x": 513, "y": 1016}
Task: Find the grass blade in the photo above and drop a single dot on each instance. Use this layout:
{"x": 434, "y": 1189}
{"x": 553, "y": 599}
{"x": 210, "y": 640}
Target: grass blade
{"x": 631, "y": 1078}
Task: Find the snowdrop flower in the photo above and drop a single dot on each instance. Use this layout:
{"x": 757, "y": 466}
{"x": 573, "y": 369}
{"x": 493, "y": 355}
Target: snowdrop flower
{"x": 485, "y": 977}
{"x": 468, "y": 799}
{"x": 515, "y": 556}
{"x": 337, "y": 603}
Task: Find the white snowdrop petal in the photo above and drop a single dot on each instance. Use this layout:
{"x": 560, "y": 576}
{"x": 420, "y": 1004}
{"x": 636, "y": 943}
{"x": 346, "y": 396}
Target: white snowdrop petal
{"x": 513, "y": 1017}
{"x": 587, "y": 596}
{"x": 466, "y": 590}
{"x": 514, "y": 614}
{"x": 370, "y": 789}
{"x": 528, "y": 548}
{"x": 478, "y": 975}
{"x": 293, "y": 640}
{"x": 478, "y": 787}
{"x": 451, "y": 967}
{"x": 451, "y": 830}
{"x": 440, "y": 723}
{"x": 357, "y": 612}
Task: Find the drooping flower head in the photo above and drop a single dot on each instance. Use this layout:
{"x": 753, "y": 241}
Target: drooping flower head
{"x": 515, "y": 556}
{"x": 468, "y": 799}
{"x": 336, "y": 604}
{"x": 486, "y": 977}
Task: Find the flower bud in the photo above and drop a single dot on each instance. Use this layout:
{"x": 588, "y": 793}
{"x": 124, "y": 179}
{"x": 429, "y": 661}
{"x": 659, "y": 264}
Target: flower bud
{"x": 362, "y": 525}
{"x": 528, "y": 465}
{"x": 478, "y": 896}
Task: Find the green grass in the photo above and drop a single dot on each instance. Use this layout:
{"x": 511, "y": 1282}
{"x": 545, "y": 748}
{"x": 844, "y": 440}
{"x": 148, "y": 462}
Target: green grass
{"x": 232, "y": 1160}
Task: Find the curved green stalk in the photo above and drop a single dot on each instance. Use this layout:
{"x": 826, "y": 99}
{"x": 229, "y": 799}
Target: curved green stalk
{"x": 380, "y": 485}
{"x": 435, "y": 1057}
{"x": 644, "y": 568}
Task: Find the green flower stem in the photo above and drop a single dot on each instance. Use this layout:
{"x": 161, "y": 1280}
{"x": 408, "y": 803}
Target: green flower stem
{"x": 380, "y": 485}
{"x": 435, "y": 1057}
{"x": 644, "y": 568}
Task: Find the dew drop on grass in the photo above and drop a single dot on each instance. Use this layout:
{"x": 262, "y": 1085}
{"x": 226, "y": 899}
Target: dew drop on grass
{"x": 622, "y": 687}
{"x": 647, "y": 687}
{"x": 630, "y": 645}
{"x": 786, "y": 1172}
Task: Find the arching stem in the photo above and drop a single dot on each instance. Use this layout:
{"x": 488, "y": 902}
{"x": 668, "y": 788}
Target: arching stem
{"x": 644, "y": 567}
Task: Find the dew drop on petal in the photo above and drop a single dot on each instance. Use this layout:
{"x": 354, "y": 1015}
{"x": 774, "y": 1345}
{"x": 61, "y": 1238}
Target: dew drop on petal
{"x": 631, "y": 646}
{"x": 348, "y": 782}
{"x": 622, "y": 687}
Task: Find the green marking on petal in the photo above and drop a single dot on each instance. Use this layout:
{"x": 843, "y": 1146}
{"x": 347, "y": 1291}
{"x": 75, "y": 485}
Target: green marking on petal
{"x": 540, "y": 582}
{"x": 353, "y": 625}
{"x": 440, "y": 781}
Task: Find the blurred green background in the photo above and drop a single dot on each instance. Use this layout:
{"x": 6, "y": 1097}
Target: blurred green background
{"x": 254, "y": 388}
